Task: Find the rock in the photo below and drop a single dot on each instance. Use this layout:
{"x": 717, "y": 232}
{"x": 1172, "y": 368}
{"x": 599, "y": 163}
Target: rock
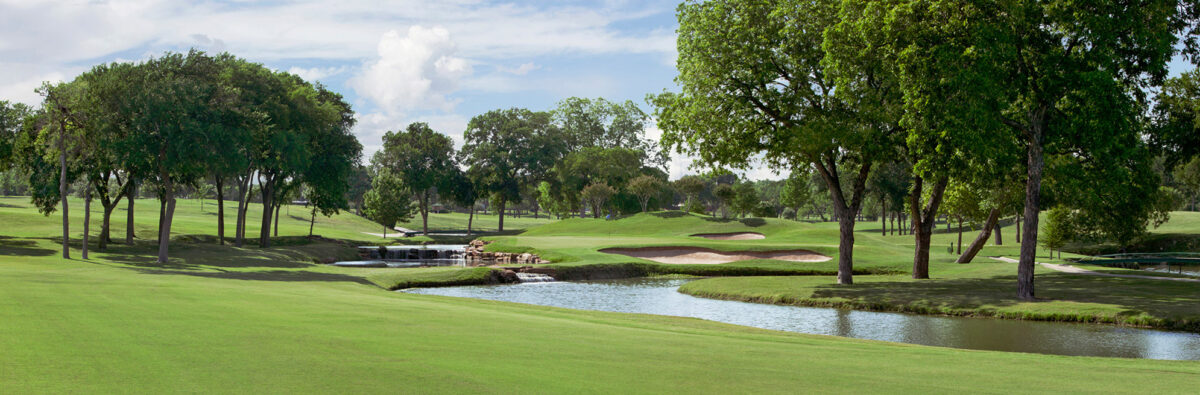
{"x": 509, "y": 276}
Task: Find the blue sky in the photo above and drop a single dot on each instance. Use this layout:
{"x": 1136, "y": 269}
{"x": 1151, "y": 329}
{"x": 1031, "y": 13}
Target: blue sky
{"x": 397, "y": 62}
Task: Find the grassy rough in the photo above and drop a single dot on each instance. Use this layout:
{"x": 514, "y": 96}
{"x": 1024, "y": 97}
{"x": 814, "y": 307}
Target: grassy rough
{"x": 223, "y": 320}
{"x": 981, "y": 289}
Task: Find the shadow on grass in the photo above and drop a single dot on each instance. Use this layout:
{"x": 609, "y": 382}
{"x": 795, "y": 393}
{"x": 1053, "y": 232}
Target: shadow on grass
{"x": 196, "y": 252}
{"x": 1157, "y": 298}
{"x": 22, "y": 247}
{"x": 669, "y": 214}
{"x": 269, "y": 275}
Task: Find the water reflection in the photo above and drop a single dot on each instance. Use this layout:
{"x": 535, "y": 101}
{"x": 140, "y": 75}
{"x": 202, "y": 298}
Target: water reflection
{"x": 660, "y": 297}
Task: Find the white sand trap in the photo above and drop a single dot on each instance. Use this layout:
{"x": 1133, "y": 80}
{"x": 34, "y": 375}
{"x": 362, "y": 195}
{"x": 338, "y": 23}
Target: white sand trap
{"x": 697, "y": 255}
{"x": 731, "y": 236}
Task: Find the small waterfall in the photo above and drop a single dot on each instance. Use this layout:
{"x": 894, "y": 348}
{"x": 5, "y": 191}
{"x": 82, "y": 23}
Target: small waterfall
{"x": 534, "y": 278}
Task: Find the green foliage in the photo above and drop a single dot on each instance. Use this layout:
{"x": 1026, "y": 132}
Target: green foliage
{"x": 599, "y": 123}
{"x": 690, "y": 186}
{"x": 12, "y": 119}
{"x": 389, "y": 200}
{"x": 796, "y": 192}
{"x": 1059, "y": 229}
{"x": 506, "y": 150}
{"x": 766, "y": 210}
{"x": 597, "y": 195}
{"x": 422, "y": 158}
{"x": 646, "y": 187}
{"x": 1187, "y": 176}
{"x": 726, "y": 194}
{"x": 745, "y": 198}
{"x": 789, "y": 213}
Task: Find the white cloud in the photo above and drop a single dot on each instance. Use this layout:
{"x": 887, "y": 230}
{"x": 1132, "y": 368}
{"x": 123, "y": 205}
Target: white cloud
{"x": 414, "y": 71}
{"x": 520, "y": 70}
{"x": 316, "y": 73}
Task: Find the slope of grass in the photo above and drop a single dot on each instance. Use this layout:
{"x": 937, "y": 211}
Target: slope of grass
{"x": 223, "y": 319}
{"x": 279, "y": 325}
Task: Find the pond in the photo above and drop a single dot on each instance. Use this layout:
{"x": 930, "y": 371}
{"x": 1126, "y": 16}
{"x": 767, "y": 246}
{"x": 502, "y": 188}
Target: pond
{"x": 659, "y": 296}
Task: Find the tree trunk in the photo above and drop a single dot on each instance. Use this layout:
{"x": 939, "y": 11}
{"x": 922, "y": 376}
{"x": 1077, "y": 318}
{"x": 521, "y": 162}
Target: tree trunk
{"x": 277, "y": 206}
{"x": 999, "y": 240}
{"x": 62, "y": 191}
{"x": 162, "y": 215}
{"x": 1018, "y": 228}
{"x": 220, "y": 211}
{"x": 470, "y": 219}
{"x": 424, "y": 207}
{"x": 883, "y": 215}
{"x": 500, "y": 210}
{"x": 845, "y": 211}
{"x": 105, "y": 225}
{"x": 845, "y": 249}
{"x": 129, "y": 212}
{"x": 87, "y": 218}
{"x": 991, "y": 223}
{"x": 312, "y": 221}
{"x": 164, "y": 236}
{"x": 239, "y": 226}
{"x": 960, "y": 231}
{"x": 1033, "y": 189}
{"x": 268, "y": 198}
{"x": 923, "y": 222}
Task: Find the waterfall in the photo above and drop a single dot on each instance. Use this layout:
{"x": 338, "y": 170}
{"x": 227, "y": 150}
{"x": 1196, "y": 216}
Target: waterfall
{"x": 534, "y": 278}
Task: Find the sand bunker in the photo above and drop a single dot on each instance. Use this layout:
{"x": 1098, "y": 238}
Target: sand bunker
{"x": 697, "y": 255}
{"x": 731, "y": 236}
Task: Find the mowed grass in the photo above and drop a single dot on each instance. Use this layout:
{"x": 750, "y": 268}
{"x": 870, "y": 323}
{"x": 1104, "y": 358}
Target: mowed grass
{"x": 223, "y": 319}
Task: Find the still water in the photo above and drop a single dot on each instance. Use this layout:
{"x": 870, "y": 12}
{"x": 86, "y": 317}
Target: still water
{"x": 656, "y": 296}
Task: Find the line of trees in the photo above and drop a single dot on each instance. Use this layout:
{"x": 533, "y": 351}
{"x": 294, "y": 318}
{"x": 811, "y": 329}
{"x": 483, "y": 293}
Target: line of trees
{"x": 1046, "y": 95}
{"x": 586, "y": 153}
{"x": 179, "y": 121}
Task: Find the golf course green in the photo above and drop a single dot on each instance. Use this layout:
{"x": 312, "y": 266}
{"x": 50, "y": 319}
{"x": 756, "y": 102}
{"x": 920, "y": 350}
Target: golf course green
{"x": 224, "y": 319}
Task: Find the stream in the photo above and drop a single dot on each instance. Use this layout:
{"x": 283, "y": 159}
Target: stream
{"x": 660, "y": 296}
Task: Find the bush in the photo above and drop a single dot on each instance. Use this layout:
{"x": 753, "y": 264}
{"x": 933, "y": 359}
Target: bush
{"x": 697, "y": 207}
{"x": 764, "y": 210}
{"x": 789, "y": 213}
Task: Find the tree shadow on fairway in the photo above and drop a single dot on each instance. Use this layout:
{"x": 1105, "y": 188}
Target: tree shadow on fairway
{"x": 669, "y": 214}
{"x": 269, "y": 275}
{"x": 287, "y": 254}
{"x": 1135, "y": 296}
{"x": 12, "y": 246}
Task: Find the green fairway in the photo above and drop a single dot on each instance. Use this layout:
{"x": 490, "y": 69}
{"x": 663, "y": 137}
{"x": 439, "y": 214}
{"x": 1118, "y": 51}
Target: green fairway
{"x": 224, "y": 319}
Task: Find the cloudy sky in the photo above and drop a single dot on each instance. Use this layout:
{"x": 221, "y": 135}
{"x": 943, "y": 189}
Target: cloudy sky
{"x": 397, "y": 61}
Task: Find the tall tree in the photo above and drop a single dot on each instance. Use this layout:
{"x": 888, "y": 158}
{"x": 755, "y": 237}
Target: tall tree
{"x": 388, "y": 201}
{"x": 334, "y": 158}
{"x": 754, "y": 82}
{"x": 645, "y": 187}
{"x": 423, "y": 158}
{"x": 65, "y": 123}
{"x": 597, "y": 196}
{"x": 1063, "y": 77}
{"x": 603, "y": 124}
{"x": 12, "y": 118}
{"x": 508, "y": 149}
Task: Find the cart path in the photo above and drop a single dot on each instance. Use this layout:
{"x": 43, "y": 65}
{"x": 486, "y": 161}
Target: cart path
{"x": 1078, "y": 270}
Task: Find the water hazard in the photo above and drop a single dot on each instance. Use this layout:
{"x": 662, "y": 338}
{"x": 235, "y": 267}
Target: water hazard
{"x": 652, "y": 296}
